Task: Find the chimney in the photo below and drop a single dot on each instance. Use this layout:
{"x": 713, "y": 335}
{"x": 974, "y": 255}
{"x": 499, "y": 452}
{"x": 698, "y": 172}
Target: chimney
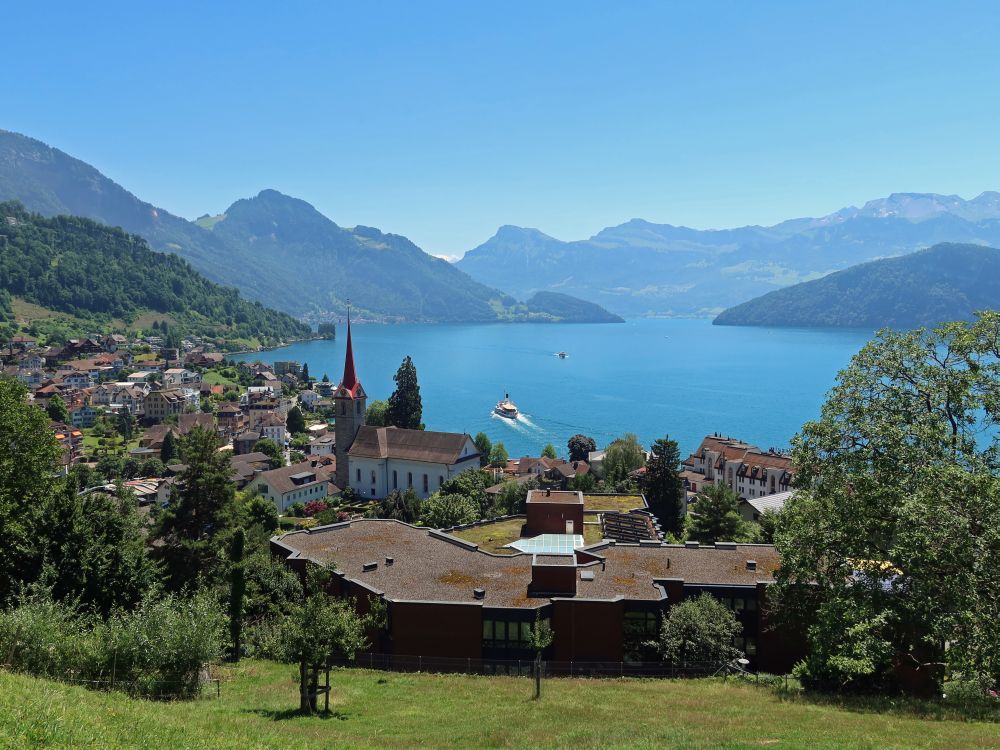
{"x": 366, "y": 567}
{"x": 751, "y": 565}
{"x": 479, "y": 593}
{"x": 548, "y": 492}
{"x": 389, "y": 561}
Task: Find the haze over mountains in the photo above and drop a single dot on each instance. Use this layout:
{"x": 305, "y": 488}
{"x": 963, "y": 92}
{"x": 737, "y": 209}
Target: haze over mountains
{"x": 284, "y": 253}
{"x": 641, "y": 268}
{"x": 278, "y": 250}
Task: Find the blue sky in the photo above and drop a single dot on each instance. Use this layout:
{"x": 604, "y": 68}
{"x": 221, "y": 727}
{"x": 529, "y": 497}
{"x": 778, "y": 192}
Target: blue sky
{"x": 442, "y": 121}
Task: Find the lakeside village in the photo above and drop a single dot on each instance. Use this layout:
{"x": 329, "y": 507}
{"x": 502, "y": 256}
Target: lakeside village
{"x": 467, "y": 548}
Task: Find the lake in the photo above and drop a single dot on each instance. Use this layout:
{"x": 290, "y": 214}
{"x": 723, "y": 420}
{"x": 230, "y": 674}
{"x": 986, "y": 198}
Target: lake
{"x": 682, "y": 378}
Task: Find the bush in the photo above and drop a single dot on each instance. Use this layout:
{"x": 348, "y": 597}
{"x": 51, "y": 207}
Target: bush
{"x": 296, "y": 509}
{"x": 156, "y": 650}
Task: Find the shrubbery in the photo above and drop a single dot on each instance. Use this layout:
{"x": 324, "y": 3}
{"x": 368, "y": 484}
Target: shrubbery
{"x": 157, "y": 650}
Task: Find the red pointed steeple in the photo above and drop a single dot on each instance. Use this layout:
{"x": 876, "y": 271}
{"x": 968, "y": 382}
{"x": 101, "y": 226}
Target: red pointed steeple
{"x": 350, "y": 379}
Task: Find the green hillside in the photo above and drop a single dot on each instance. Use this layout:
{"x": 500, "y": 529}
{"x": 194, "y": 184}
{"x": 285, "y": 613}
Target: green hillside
{"x": 104, "y": 275}
{"x": 942, "y": 283}
{"x": 388, "y": 710}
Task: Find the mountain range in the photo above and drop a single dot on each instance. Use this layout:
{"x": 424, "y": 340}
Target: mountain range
{"x": 942, "y": 283}
{"x": 277, "y": 250}
{"x": 640, "y": 268}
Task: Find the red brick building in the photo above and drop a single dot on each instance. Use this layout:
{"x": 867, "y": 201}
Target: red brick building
{"x": 447, "y": 598}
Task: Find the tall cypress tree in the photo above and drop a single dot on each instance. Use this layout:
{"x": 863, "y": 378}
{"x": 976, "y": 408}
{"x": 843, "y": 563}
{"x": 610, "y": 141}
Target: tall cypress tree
{"x": 405, "y": 408}
{"x": 664, "y": 486}
{"x": 168, "y": 451}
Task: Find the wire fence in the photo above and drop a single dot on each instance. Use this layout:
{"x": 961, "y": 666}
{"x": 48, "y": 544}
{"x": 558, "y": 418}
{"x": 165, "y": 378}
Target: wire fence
{"x": 552, "y": 668}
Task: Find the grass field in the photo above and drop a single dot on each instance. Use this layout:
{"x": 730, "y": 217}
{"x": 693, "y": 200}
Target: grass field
{"x": 492, "y": 537}
{"x": 387, "y": 710}
{"x": 621, "y": 503}
{"x": 214, "y": 377}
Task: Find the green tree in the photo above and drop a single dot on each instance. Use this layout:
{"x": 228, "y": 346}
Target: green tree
{"x": 377, "y": 413}
{"x": 405, "y": 408}
{"x": 237, "y": 591}
{"x": 319, "y": 631}
{"x": 580, "y": 447}
{"x": 540, "y": 638}
{"x": 889, "y": 543}
{"x": 56, "y": 409}
{"x": 699, "y": 632}
{"x": 715, "y": 515}
{"x": 296, "y": 423}
{"x": 769, "y": 523}
{"x": 272, "y": 450}
{"x": 622, "y": 457}
{"x": 484, "y": 446}
{"x": 549, "y": 451}
{"x": 471, "y": 485}
{"x": 28, "y": 462}
{"x": 305, "y": 373}
{"x": 126, "y": 426}
{"x": 94, "y": 549}
{"x": 441, "y": 511}
{"x": 402, "y": 505}
{"x": 168, "y": 451}
{"x": 498, "y": 454}
{"x": 190, "y": 526}
{"x": 664, "y": 486}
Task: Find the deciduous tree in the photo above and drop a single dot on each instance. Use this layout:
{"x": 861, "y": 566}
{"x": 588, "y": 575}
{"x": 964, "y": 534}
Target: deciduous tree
{"x": 889, "y": 544}
{"x": 484, "y": 446}
{"x": 699, "y": 632}
{"x": 580, "y": 447}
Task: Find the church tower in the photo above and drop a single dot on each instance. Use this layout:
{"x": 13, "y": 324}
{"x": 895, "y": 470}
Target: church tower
{"x": 350, "y": 401}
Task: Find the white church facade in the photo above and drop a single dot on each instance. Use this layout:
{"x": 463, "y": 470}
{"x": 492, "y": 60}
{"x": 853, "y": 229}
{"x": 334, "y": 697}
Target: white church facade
{"x": 374, "y": 461}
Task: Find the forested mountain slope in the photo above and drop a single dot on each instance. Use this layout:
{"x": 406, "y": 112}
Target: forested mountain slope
{"x": 945, "y": 282}
{"x": 77, "y": 266}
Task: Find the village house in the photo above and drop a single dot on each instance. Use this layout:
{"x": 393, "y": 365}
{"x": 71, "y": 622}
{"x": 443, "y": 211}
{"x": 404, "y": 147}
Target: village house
{"x": 755, "y": 507}
{"x": 308, "y": 399}
{"x": 744, "y": 468}
{"x": 180, "y": 376}
{"x": 299, "y": 483}
{"x": 160, "y": 404}
{"x": 244, "y": 442}
{"x": 272, "y": 426}
{"x": 83, "y": 416}
{"x": 322, "y": 445}
{"x": 231, "y": 419}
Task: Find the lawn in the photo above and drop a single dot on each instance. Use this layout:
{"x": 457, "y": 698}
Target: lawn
{"x": 492, "y": 537}
{"x": 387, "y": 710}
{"x": 621, "y": 503}
{"x": 214, "y": 377}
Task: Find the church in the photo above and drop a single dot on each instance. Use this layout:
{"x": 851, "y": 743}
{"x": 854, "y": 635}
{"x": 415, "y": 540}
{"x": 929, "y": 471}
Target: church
{"x": 374, "y": 461}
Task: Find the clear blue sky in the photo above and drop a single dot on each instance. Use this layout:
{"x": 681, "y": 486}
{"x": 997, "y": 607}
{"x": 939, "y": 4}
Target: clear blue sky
{"x": 442, "y": 121}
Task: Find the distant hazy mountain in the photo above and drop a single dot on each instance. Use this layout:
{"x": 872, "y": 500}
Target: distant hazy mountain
{"x": 565, "y": 307}
{"x": 640, "y": 268}
{"x": 275, "y": 249}
{"x": 945, "y": 282}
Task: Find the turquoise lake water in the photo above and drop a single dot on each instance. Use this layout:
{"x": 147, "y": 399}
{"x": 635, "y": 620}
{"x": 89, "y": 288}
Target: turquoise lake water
{"x": 682, "y": 378}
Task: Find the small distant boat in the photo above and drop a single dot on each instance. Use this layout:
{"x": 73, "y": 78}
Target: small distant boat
{"x": 506, "y": 408}
{"x": 562, "y": 355}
